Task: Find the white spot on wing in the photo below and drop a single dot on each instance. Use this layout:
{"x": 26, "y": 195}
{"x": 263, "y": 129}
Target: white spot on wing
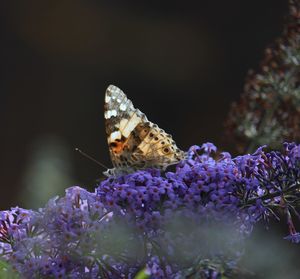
{"x": 115, "y": 135}
{"x": 110, "y": 113}
{"x": 107, "y": 98}
{"x": 123, "y": 107}
{"x": 127, "y": 126}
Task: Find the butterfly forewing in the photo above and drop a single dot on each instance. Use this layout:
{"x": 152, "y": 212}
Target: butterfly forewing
{"x": 135, "y": 142}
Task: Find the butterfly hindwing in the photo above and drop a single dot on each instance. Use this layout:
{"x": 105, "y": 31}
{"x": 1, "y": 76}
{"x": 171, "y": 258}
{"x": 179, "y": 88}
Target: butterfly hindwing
{"x": 135, "y": 142}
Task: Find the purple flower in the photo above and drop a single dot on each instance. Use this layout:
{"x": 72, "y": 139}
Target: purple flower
{"x": 294, "y": 238}
{"x": 209, "y": 147}
{"x": 161, "y": 222}
{"x": 156, "y": 270}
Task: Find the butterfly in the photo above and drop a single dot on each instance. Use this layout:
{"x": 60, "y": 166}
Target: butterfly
{"x": 135, "y": 142}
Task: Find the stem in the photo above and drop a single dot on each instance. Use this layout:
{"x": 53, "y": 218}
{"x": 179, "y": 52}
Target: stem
{"x": 275, "y": 194}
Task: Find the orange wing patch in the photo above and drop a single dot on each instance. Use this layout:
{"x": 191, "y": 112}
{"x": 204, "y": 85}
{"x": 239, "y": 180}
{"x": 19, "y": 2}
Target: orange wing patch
{"x": 118, "y": 146}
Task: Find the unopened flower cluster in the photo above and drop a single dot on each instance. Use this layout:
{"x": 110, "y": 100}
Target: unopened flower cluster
{"x": 171, "y": 225}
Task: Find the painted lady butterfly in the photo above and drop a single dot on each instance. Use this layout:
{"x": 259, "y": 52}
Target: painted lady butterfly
{"x": 135, "y": 142}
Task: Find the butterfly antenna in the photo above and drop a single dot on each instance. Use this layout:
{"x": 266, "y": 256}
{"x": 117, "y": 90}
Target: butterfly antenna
{"x": 90, "y": 158}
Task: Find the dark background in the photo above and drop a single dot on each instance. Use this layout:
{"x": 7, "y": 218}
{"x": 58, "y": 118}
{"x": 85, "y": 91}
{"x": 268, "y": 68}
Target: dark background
{"x": 180, "y": 62}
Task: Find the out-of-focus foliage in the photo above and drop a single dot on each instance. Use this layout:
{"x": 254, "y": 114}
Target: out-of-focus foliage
{"x": 269, "y": 109}
{"x": 6, "y": 271}
{"x": 48, "y": 172}
{"x": 142, "y": 275}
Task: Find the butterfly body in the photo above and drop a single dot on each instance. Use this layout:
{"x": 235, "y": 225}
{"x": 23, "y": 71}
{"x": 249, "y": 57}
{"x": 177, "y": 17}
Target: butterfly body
{"x": 134, "y": 141}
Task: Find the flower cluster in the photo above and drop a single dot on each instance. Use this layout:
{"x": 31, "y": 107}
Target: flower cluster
{"x": 269, "y": 109}
{"x": 72, "y": 237}
{"x": 190, "y": 222}
{"x": 199, "y": 185}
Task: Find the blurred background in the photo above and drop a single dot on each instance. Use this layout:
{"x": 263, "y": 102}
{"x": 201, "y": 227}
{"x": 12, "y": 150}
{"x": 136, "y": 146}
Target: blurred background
{"x": 180, "y": 62}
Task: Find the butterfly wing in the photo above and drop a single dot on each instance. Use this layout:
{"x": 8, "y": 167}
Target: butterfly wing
{"x": 135, "y": 142}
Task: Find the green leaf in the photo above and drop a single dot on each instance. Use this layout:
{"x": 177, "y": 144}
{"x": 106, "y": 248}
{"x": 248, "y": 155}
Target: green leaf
{"x": 4, "y": 265}
{"x": 6, "y": 271}
{"x": 142, "y": 274}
